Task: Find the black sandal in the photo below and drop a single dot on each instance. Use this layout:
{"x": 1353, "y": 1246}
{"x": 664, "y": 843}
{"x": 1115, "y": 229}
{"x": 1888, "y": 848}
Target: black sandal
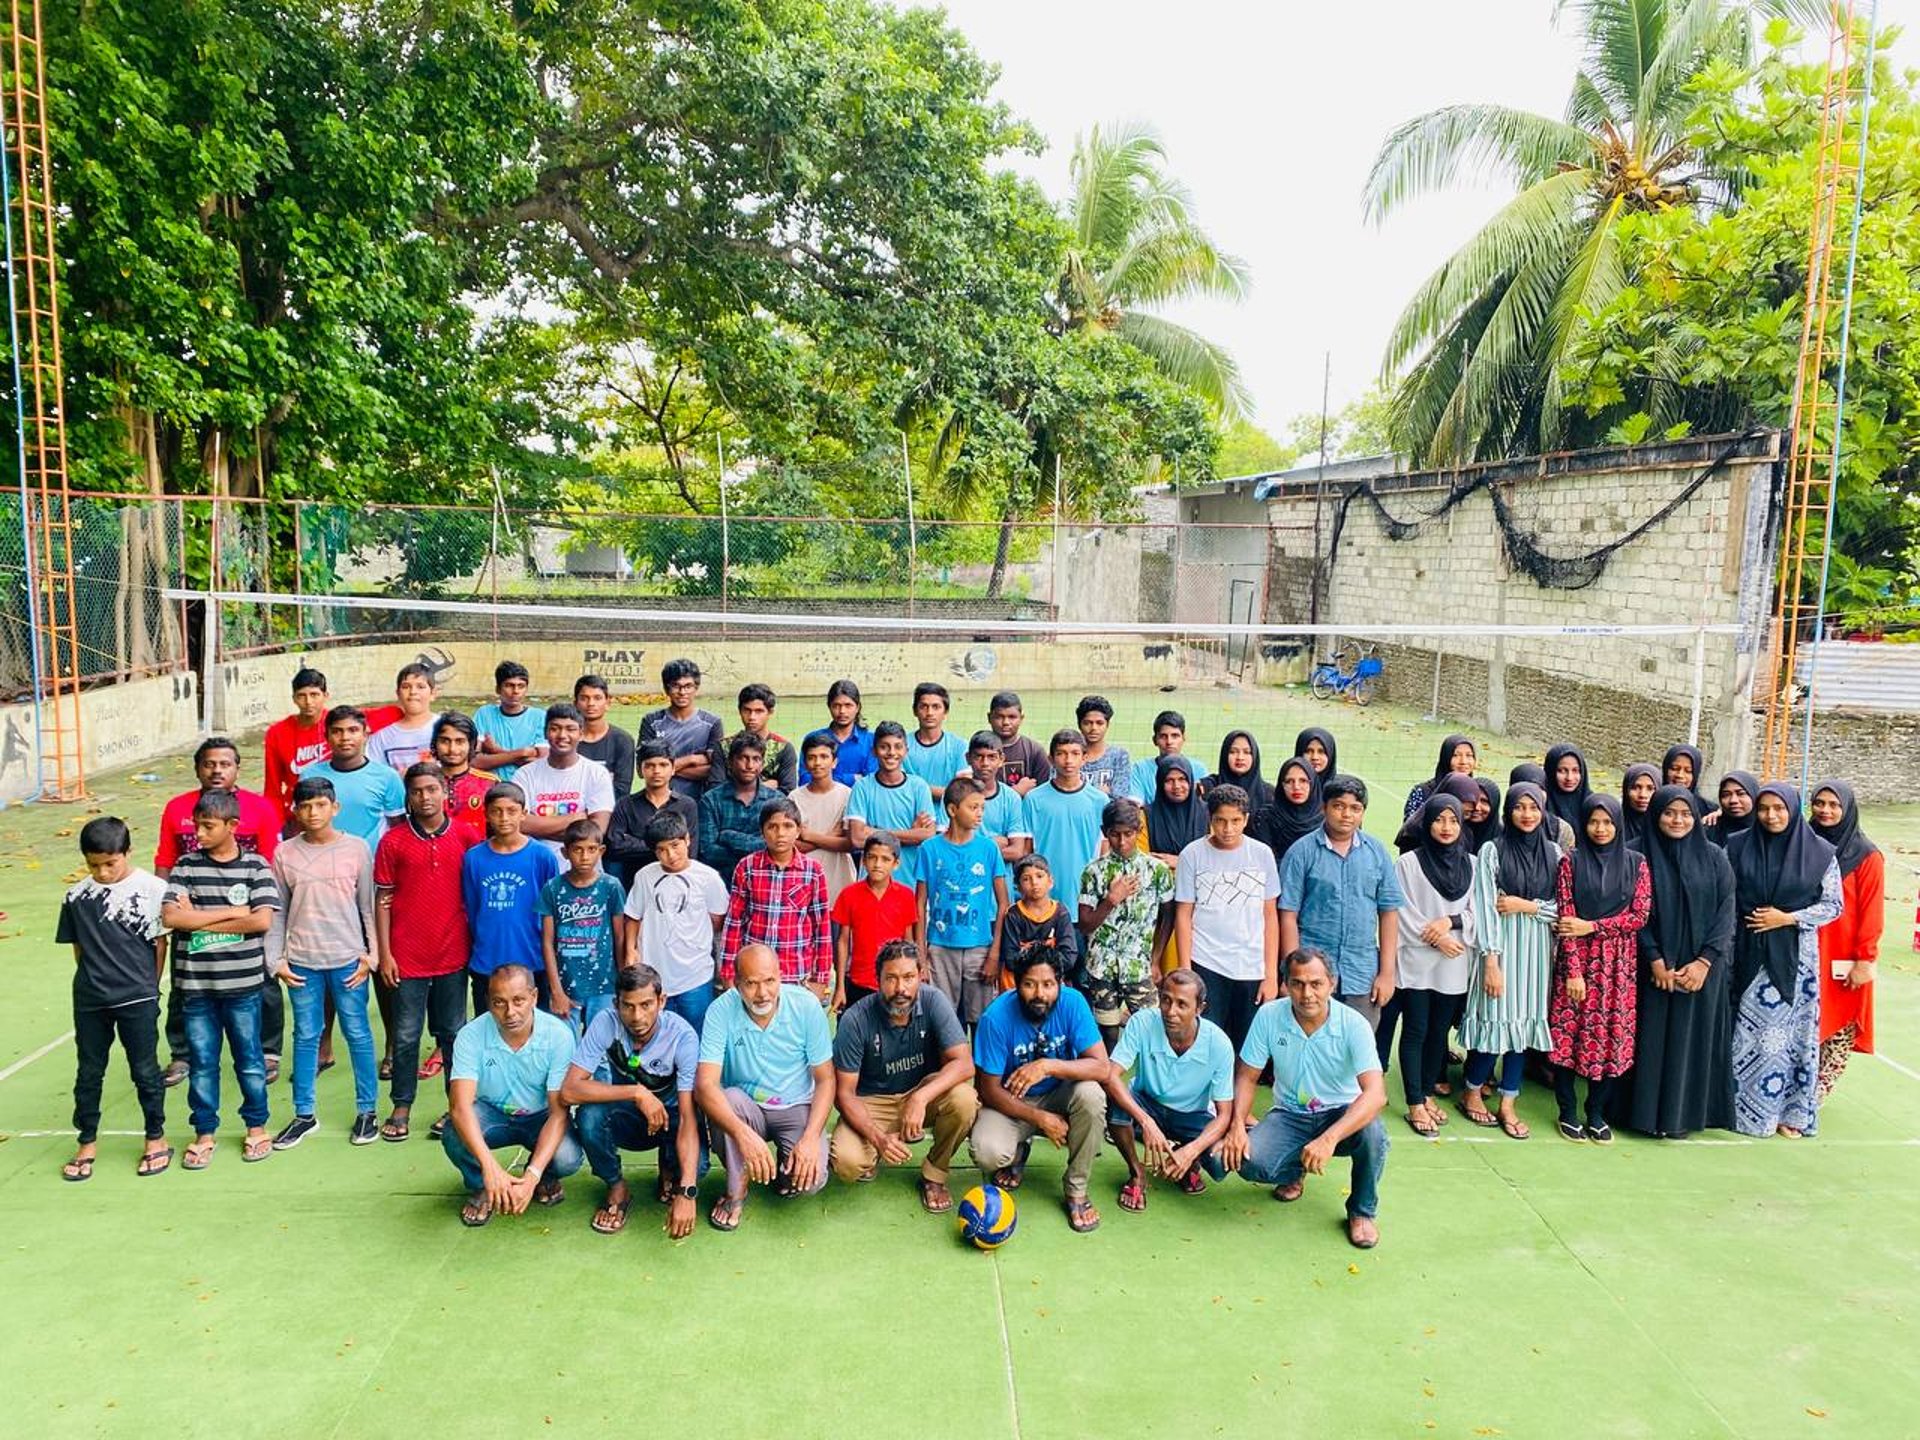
{"x": 75, "y": 1171}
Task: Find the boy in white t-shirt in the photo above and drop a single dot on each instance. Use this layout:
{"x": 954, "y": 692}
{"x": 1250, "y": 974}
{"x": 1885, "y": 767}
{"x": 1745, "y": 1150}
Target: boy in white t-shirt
{"x": 1226, "y": 921}
{"x": 677, "y": 906}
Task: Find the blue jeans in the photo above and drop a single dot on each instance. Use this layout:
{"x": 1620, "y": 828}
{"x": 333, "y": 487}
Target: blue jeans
{"x": 692, "y": 1005}
{"x": 499, "y": 1130}
{"x": 608, "y": 1128}
{"x": 1513, "y": 1065}
{"x": 1179, "y": 1126}
{"x": 1273, "y": 1155}
{"x": 208, "y": 1017}
{"x": 310, "y": 1018}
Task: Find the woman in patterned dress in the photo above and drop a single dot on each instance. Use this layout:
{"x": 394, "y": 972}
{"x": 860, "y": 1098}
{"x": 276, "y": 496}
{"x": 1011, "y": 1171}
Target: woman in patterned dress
{"x": 1786, "y": 885}
{"x": 1514, "y": 887}
{"x": 1604, "y": 896}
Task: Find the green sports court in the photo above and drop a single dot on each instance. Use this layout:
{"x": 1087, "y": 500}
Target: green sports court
{"x": 1714, "y": 1287}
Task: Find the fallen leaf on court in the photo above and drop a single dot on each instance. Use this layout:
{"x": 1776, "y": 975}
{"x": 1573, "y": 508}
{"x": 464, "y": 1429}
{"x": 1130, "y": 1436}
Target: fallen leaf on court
{"x": 1817, "y": 1414}
{"x": 1353, "y": 1269}
{"x": 1488, "y": 1430}
{"x": 1427, "y": 1390}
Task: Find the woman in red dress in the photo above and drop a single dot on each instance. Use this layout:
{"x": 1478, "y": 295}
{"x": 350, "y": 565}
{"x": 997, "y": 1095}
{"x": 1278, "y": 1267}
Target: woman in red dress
{"x": 1604, "y": 897}
{"x": 1849, "y": 945}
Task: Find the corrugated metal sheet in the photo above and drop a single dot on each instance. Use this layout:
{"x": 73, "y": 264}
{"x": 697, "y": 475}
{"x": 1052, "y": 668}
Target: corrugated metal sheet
{"x": 1863, "y": 675}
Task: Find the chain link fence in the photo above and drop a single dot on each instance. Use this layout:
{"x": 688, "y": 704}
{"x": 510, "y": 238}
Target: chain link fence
{"x": 125, "y": 555}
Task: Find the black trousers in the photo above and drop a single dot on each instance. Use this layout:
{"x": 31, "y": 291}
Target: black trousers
{"x": 1597, "y": 1093}
{"x": 93, "y": 1036}
{"x": 273, "y": 1021}
{"x": 436, "y": 1006}
{"x": 1425, "y": 1018}
{"x": 1230, "y": 1004}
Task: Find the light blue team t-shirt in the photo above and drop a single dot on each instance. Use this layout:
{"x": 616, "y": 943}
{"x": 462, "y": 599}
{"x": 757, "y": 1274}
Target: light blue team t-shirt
{"x": 511, "y": 732}
{"x": 1186, "y": 1084}
{"x": 672, "y": 1051}
{"x": 961, "y": 904}
{"x": 1005, "y": 1039}
{"x": 939, "y": 762}
{"x": 1006, "y": 814}
{"x": 1066, "y": 830}
{"x": 369, "y": 797}
{"x": 773, "y": 1065}
{"x": 892, "y": 807}
{"x": 516, "y": 1081}
{"x": 1311, "y": 1073}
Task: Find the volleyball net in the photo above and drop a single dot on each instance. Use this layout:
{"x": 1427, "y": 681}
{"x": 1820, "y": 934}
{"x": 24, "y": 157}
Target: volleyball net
{"x": 1388, "y": 693}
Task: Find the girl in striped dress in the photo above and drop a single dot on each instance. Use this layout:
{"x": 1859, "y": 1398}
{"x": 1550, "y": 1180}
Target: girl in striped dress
{"x": 1507, "y": 1002}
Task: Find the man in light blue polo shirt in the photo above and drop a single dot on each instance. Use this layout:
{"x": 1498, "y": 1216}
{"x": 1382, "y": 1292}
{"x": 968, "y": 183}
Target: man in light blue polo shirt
{"x": 504, "y": 1084}
{"x": 1338, "y": 895}
{"x": 766, "y": 1083}
{"x": 1181, "y": 1097}
{"x": 1328, "y": 1092}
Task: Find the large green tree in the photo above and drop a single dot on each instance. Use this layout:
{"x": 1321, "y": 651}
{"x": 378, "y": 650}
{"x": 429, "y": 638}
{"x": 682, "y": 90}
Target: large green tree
{"x": 1483, "y": 340}
{"x": 1704, "y": 333}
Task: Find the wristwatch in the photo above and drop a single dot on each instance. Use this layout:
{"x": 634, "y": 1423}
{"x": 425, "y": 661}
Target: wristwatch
{"x": 687, "y": 1192}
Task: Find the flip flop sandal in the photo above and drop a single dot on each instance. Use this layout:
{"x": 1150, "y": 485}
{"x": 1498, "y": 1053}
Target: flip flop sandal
{"x": 386, "y": 1068}
{"x": 1010, "y": 1177}
{"x": 1572, "y": 1130}
{"x": 1485, "y": 1119}
{"x": 1133, "y": 1196}
{"x": 1515, "y": 1129}
{"x": 1194, "y": 1182}
{"x": 726, "y": 1212}
{"x": 431, "y": 1067}
{"x": 395, "y": 1130}
{"x": 255, "y": 1151}
{"x": 1082, "y": 1216}
{"x": 273, "y": 1068}
{"x": 199, "y": 1157}
{"x": 618, "y": 1222}
{"x": 935, "y": 1198}
{"x": 1290, "y": 1192}
{"x": 154, "y": 1162}
{"x": 1422, "y": 1126}
{"x": 549, "y": 1194}
{"x": 476, "y": 1212}
{"x": 75, "y": 1171}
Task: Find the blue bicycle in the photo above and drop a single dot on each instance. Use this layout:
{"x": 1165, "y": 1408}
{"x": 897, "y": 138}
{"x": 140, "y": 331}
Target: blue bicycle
{"x": 1351, "y": 673}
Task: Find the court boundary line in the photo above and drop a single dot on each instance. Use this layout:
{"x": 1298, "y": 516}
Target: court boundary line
{"x": 1006, "y": 1346}
{"x": 1888, "y": 1059}
{"x": 47, "y": 1049}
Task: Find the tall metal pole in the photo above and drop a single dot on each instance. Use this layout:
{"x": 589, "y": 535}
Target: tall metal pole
{"x": 913, "y": 532}
{"x": 26, "y": 504}
{"x": 1059, "y": 557}
{"x": 1319, "y": 493}
{"x": 726, "y": 540}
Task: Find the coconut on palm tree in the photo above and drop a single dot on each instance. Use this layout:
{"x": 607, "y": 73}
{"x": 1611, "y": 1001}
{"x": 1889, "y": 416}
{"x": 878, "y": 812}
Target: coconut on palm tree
{"x": 1487, "y": 332}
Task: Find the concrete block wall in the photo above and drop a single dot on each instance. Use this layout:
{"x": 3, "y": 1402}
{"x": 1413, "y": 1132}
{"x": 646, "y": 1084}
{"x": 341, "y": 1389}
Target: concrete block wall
{"x": 1704, "y": 564}
{"x": 120, "y": 725}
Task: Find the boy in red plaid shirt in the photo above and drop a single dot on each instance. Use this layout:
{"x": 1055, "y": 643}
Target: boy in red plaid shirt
{"x": 779, "y": 899}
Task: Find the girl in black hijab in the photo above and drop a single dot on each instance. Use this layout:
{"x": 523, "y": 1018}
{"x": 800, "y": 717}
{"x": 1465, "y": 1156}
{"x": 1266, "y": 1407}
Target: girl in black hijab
{"x": 1557, "y": 831}
{"x": 1463, "y": 788}
{"x": 1683, "y": 765}
{"x": 1636, "y": 803}
{"x": 1241, "y": 767}
{"x": 1604, "y": 896}
{"x": 1174, "y": 822}
{"x": 1483, "y": 827}
{"x": 1457, "y": 757}
{"x": 1850, "y": 946}
{"x": 1316, "y": 747}
{"x": 1683, "y": 1045}
{"x": 1436, "y": 952}
{"x": 1737, "y": 789}
{"x": 1787, "y": 885}
{"x": 1567, "y": 790}
{"x": 1296, "y": 811}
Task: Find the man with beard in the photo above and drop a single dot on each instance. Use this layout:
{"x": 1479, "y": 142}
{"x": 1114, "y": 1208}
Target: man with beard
{"x": 766, "y": 1083}
{"x": 1041, "y": 1068}
{"x": 504, "y": 1087}
{"x": 1328, "y": 1092}
{"x": 632, "y": 1077}
{"x": 900, "y": 1061}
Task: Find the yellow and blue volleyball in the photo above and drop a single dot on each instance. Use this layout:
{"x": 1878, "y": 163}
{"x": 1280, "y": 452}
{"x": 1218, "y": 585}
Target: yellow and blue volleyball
{"x": 987, "y": 1217}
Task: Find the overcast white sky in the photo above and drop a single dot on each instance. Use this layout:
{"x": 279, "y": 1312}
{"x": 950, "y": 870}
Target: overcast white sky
{"x": 1272, "y": 113}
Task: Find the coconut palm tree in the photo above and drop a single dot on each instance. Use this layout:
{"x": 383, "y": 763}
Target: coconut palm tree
{"x": 1487, "y": 331}
{"x": 1136, "y": 246}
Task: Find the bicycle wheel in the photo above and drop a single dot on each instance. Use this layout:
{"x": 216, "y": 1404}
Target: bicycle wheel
{"x": 1322, "y": 683}
{"x": 1362, "y": 689}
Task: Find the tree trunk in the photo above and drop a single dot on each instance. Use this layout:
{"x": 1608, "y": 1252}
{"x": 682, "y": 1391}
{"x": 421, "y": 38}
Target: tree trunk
{"x": 999, "y": 576}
